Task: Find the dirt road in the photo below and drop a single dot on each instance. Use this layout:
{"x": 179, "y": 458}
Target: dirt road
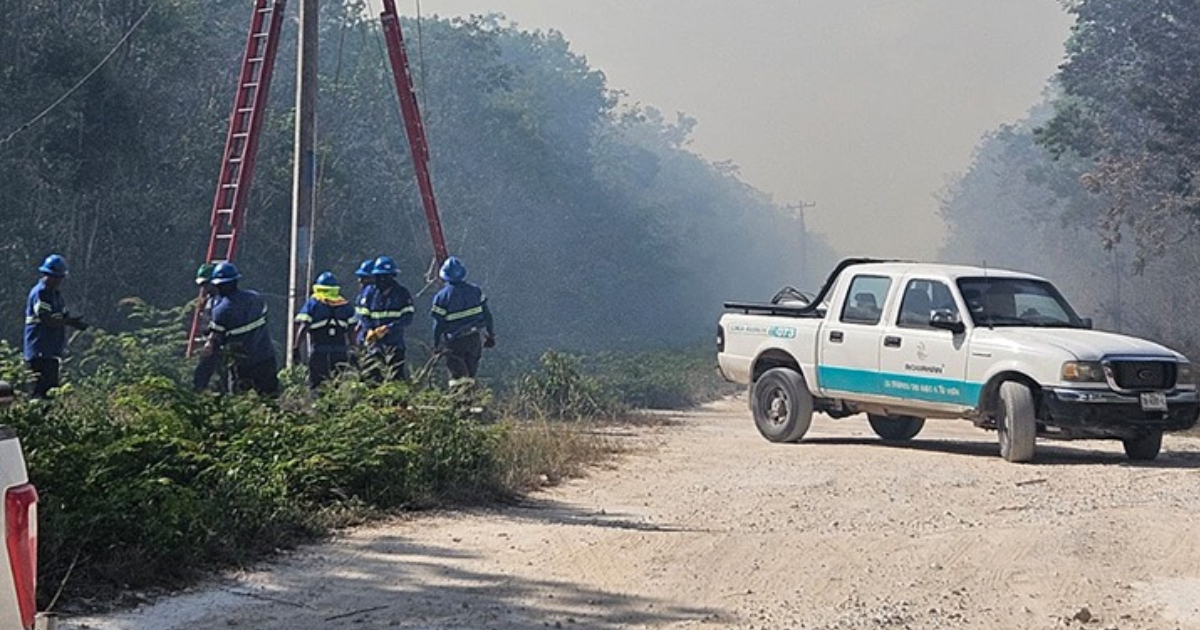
{"x": 709, "y": 526}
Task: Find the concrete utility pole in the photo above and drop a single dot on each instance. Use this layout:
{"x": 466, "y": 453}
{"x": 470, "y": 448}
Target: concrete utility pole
{"x": 305, "y": 173}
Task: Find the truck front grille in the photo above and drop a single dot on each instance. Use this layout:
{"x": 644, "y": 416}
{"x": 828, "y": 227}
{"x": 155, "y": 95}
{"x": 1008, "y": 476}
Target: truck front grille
{"x": 1144, "y": 375}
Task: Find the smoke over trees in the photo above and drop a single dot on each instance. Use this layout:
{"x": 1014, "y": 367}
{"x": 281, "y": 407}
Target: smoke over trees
{"x": 1112, "y": 154}
{"x": 587, "y": 218}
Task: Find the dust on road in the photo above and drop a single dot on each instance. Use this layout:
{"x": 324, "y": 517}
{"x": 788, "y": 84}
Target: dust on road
{"x": 708, "y": 526}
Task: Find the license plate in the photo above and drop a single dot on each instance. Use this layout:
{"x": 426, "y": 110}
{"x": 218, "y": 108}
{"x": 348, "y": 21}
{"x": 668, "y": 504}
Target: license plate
{"x": 1154, "y": 401}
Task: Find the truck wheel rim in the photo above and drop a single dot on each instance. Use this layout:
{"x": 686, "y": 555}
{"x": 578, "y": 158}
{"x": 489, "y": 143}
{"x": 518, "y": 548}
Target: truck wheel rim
{"x": 777, "y": 406}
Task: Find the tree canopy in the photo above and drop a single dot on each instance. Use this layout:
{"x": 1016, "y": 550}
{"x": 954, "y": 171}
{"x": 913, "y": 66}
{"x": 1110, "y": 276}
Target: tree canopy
{"x": 589, "y": 221}
{"x": 1130, "y": 90}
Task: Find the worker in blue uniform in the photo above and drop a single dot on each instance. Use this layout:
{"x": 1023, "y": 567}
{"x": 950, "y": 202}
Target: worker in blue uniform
{"x": 390, "y": 311}
{"x": 362, "y": 301}
{"x": 208, "y": 363}
{"x": 325, "y": 320}
{"x": 462, "y": 322}
{"x": 46, "y": 320}
{"x": 239, "y": 330}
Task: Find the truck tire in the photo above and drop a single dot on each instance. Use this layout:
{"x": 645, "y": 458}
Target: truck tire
{"x": 896, "y": 428}
{"x": 1017, "y": 422}
{"x": 782, "y": 405}
{"x": 1144, "y": 448}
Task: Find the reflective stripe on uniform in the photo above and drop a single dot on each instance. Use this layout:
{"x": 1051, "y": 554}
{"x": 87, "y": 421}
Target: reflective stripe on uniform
{"x": 471, "y": 312}
{"x": 304, "y": 317}
{"x": 43, "y": 307}
{"x": 437, "y": 310}
{"x": 241, "y": 330}
{"x": 400, "y": 313}
{"x": 32, "y": 320}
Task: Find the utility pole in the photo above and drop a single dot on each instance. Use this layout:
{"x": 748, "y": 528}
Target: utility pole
{"x": 305, "y": 172}
{"x": 799, "y": 208}
{"x": 1118, "y": 314}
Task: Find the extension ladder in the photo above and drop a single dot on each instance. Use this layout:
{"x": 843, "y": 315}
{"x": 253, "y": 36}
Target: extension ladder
{"x": 241, "y": 143}
{"x": 413, "y": 126}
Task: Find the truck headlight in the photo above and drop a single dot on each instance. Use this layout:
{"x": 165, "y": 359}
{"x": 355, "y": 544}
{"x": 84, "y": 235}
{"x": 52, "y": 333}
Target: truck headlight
{"x": 1084, "y": 372}
{"x": 1186, "y": 374}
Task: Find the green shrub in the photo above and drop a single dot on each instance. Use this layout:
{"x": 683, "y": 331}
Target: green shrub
{"x": 660, "y": 379}
{"x": 145, "y": 482}
{"x": 559, "y": 389}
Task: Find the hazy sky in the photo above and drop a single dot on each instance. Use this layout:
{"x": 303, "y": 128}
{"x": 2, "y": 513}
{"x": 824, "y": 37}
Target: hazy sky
{"x": 861, "y": 106}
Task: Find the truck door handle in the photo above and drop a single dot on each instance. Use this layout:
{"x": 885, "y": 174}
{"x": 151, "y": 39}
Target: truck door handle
{"x": 836, "y": 336}
{"x": 891, "y": 341}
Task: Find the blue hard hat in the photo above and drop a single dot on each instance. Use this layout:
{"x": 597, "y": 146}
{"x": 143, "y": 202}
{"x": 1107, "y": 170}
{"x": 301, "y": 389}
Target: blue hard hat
{"x": 55, "y": 266}
{"x": 453, "y": 270}
{"x": 327, "y": 279}
{"x": 365, "y": 269}
{"x": 384, "y": 266}
{"x": 224, "y": 273}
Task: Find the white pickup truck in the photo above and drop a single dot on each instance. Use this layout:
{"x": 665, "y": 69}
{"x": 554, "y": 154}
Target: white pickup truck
{"x": 18, "y": 518}
{"x": 904, "y": 342}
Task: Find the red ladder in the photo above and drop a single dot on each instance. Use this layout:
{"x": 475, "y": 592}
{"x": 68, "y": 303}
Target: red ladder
{"x": 413, "y": 125}
{"x": 241, "y": 145}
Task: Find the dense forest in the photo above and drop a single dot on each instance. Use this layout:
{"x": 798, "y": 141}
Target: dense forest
{"x": 1097, "y": 187}
{"x": 585, "y": 215}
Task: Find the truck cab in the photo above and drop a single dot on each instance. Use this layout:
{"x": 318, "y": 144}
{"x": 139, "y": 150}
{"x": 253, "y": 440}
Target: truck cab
{"x": 18, "y": 526}
{"x": 906, "y": 342}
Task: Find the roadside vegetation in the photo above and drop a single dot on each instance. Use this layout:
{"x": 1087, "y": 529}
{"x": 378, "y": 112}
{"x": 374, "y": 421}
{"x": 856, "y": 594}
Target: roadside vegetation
{"x": 145, "y": 484}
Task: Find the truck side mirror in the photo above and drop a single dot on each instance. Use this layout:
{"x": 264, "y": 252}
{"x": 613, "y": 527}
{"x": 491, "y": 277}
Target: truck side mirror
{"x": 1087, "y": 323}
{"x": 944, "y": 319}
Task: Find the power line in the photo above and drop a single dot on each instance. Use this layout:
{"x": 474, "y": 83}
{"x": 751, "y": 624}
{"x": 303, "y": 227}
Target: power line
{"x": 78, "y": 85}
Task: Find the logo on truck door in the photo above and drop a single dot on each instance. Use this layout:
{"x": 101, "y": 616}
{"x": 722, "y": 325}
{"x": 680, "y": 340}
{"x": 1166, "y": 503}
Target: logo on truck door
{"x": 779, "y": 332}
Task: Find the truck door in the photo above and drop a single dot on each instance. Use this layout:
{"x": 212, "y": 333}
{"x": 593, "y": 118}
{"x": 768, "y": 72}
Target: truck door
{"x": 920, "y": 363}
{"x": 850, "y": 341}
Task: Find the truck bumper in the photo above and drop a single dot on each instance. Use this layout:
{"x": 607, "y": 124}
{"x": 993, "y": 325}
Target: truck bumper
{"x": 1107, "y": 413}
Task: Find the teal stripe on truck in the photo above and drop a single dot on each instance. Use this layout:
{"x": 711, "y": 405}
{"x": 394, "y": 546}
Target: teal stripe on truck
{"x": 904, "y": 386}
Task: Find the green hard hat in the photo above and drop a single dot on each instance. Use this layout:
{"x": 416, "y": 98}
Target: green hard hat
{"x": 204, "y": 273}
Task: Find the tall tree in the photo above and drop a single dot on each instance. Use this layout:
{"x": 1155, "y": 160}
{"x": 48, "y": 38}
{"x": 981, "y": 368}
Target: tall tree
{"x": 1131, "y": 90}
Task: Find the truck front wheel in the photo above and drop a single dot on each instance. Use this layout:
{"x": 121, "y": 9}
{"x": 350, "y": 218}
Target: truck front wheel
{"x": 782, "y": 405}
{"x": 1017, "y": 422}
{"x": 1144, "y": 448}
{"x": 896, "y": 427}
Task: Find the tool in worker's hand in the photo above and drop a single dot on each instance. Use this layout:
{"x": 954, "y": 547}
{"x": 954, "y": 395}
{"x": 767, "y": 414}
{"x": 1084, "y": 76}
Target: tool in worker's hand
{"x": 375, "y": 334}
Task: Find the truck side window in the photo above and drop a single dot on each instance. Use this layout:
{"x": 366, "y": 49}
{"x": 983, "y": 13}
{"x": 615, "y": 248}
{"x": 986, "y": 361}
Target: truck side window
{"x": 921, "y": 298}
{"x": 864, "y": 301}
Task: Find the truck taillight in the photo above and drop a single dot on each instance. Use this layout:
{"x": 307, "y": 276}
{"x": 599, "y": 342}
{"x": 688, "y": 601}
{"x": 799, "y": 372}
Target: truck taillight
{"x": 20, "y": 508}
{"x": 720, "y": 338}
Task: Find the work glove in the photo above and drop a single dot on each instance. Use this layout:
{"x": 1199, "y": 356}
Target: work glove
{"x": 375, "y": 334}
{"x": 489, "y": 341}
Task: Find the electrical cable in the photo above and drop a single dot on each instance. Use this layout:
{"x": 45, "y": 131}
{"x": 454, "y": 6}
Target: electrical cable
{"x": 85, "y": 78}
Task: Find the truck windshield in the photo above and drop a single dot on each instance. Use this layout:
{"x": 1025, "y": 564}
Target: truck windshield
{"x": 1016, "y": 302}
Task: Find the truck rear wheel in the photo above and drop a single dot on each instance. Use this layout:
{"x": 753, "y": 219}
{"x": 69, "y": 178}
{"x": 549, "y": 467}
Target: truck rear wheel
{"x": 896, "y": 427}
{"x": 1017, "y": 422}
{"x": 782, "y": 405}
{"x": 1144, "y": 448}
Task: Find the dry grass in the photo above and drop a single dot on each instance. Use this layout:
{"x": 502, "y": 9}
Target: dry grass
{"x": 536, "y": 453}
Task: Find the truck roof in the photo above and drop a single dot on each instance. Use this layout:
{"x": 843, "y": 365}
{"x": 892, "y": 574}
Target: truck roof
{"x": 951, "y": 272}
